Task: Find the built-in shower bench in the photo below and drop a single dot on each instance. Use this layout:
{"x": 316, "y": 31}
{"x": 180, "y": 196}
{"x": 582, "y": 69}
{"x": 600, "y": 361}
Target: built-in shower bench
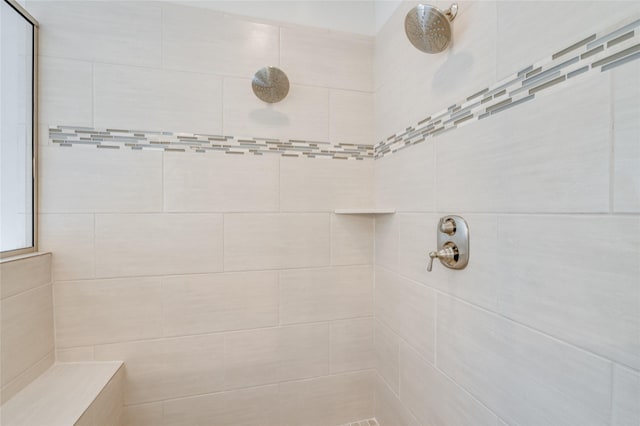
{"x": 69, "y": 394}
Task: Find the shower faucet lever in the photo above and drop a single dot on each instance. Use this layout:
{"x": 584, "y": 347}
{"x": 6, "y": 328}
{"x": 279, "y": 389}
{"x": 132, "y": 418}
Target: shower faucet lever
{"x": 453, "y": 243}
{"x": 446, "y": 255}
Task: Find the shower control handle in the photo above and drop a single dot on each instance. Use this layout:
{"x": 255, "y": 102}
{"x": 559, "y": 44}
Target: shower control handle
{"x": 453, "y": 243}
{"x": 447, "y": 255}
{"x": 448, "y": 226}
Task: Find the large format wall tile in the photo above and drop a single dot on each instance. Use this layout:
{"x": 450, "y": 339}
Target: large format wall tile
{"x": 26, "y": 331}
{"x": 534, "y": 158}
{"x": 156, "y": 99}
{"x": 105, "y": 311}
{"x": 525, "y": 377}
{"x": 168, "y": 368}
{"x": 195, "y": 304}
{"x": 626, "y": 137}
{"x": 351, "y": 345}
{"x": 77, "y": 354}
{"x": 312, "y": 185}
{"x": 65, "y": 92}
{"x": 308, "y": 295}
{"x": 405, "y": 181}
{"x": 626, "y": 397}
{"x": 275, "y": 241}
{"x": 303, "y": 114}
{"x": 158, "y": 244}
{"x": 322, "y": 58}
{"x": 351, "y": 239}
{"x": 576, "y": 278}
{"x": 351, "y": 117}
{"x": 219, "y": 183}
{"x": 70, "y": 238}
{"x": 127, "y": 33}
{"x": 255, "y": 406}
{"x": 92, "y": 180}
{"x": 332, "y": 400}
{"x": 408, "y": 308}
{"x": 19, "y": 275}
{"x": 434, "y": 398}
{"x": 196, "y": 39}
{"x": 274, "y": 355}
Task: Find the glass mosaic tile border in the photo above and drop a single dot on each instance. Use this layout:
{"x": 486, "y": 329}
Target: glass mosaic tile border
{"x": 68, "y": 136}
{"x": 599, "y": 52}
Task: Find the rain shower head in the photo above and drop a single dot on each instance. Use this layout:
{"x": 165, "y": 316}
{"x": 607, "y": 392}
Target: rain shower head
{"x": 429, "y": 28}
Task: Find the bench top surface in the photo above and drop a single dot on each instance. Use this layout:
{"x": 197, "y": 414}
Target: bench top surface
{"x": 59, "y": 396}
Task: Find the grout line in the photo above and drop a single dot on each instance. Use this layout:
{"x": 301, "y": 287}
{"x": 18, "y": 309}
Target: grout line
{"x": 271, "y": 384}
{"x": 612, "y": 142}
{"x": 222, "y": 126}
{"x": 279, "y": 209}
{"x": 222, "y": 333}
{"x": 329, "y": 363}
{"x": 435, "y": 330}
{"x": 224, "y": 231}
{"x": 163, "y": 207}
{"x": 612, "y": 396}
{"x": 221, "y": 272}
{"x": 279, "y": 316}
{"x": 29, "y": 290}
{"x": 161, "y": 37}
{"x": 329, "y": 114}
{"x": 93, "y": 98}
{"x": 95, "y": 251}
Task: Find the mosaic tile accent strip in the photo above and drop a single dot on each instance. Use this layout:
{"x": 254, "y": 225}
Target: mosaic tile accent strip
{"x": 69, "y": 136}
{"x": 367, "y": 422}
{"x": 597, "y": 53}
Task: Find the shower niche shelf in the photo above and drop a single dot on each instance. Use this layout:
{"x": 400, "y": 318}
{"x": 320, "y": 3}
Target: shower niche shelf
{"x": 364, "y": 211}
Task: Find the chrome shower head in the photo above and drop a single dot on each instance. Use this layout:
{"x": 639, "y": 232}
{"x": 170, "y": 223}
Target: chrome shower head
{"x": 429, "y": 28}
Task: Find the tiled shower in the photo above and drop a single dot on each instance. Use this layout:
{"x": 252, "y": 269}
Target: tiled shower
{"x": 266, "y": 264}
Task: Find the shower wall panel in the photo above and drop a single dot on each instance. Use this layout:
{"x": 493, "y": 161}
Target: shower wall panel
{"x": 221, "y": 277}
{"x": 543, "y": 326}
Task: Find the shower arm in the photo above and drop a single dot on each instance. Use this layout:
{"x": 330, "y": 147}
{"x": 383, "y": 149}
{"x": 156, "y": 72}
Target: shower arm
{"x": 451, "y": 12}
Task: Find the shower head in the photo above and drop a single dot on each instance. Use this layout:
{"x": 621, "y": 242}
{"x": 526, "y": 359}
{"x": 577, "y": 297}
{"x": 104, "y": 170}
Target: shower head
{"x": 429, "y": 28}
{"x": 270, "y": 84}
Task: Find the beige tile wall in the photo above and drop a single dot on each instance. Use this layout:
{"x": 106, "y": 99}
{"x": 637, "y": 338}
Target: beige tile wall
{"x": 232, "y": 292}
{"x": 26, "y": 322}
{"x": 226, "y": 284}
{"x": 543, "y": 326}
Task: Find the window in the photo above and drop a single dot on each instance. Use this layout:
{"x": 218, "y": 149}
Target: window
{"x": 18, "y": 120}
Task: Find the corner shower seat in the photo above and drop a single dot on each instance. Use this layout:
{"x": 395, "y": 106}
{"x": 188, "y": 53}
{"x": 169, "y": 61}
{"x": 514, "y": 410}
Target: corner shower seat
{"x": 69, "y": 394}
